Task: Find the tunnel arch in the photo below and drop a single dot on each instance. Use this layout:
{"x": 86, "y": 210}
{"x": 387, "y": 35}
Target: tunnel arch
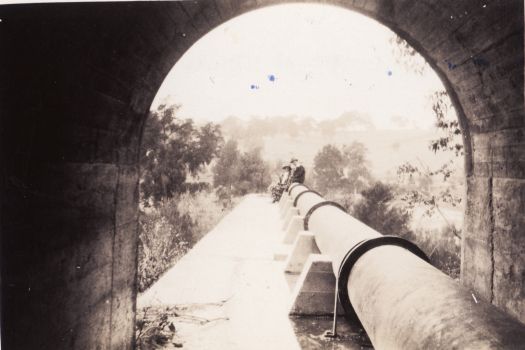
{"x": 81, "y": 80}
{"x": 372, "y": 11}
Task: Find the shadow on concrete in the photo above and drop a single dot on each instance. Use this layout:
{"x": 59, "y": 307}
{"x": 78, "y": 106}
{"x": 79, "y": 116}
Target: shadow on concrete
{"x": 310, "y": 334}
{"x": 291, "y": 280}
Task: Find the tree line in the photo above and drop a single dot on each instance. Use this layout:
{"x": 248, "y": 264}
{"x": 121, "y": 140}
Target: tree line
{"x": 184, "y": 165}
{"x": 342, "y": 174}
{"x": 178, "y": 204}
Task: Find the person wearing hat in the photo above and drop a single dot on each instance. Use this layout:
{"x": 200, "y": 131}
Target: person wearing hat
{"x": 278, "y": 189}
{"x": 285, "y": 175}
{"x": 298, "y": 172}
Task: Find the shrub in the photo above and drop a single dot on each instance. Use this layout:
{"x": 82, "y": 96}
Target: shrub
{"x": 206, "y": 209}
{"x": 241, "y": 173}
{"x": 377, "y": 211}
{"x": 170, "y": 229}
{"x": 441, "y": 246}
{"x": 162, "y": 240}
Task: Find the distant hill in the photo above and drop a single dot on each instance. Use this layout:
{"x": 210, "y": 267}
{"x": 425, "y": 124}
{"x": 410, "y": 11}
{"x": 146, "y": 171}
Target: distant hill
{"x": 280, "y": 138}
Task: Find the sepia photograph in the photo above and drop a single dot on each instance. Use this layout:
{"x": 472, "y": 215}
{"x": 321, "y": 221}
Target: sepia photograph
{"x": 262, "y": 174}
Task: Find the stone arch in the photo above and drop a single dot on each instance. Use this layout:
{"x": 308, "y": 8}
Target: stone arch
{"x": 81, "y": 78}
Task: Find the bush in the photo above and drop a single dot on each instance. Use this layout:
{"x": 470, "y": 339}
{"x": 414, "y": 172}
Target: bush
{"x": 341, "y": 168}
{"x": 441, "y": 246}
{"x": 163, "y": 239}
{"x": 170, "y": 229}
{"x": 377, "y": 211}
{"x": 171, "y": 150}
{"x": 241, "y": 173}
{"x": 154, "y": 329}
{"x": 206, "y": 208}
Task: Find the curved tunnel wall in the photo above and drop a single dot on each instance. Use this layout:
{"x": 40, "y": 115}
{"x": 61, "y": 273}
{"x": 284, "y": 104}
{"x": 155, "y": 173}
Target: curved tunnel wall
{"x": 80, "y": 80}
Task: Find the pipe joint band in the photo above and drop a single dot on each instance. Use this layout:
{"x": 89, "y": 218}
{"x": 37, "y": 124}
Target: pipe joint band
{"x": 354, "y": 254}
{"x": 293, "y": 186}
{"x": 305, "y": 191}
{"x": 317, "y": 206}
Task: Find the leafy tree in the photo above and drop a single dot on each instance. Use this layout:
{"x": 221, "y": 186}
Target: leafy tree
{"x": 357, "y": 174}
{"x": 206, "y": 146}
{"x": 328, "y": 169}
{"x": 441, "y": 104}
{"x": 338, "y": 170}
{"x": 224, "y": 171}
{"x": 451, "y": 141}
{"x": 171, "y": 150}
{"x": 236, "y": 173}
{"x": 407, "y": 56}
{"x": 423, "y": 194}
{"x": 253, "y": 172}
{"x": 377, "y": 211}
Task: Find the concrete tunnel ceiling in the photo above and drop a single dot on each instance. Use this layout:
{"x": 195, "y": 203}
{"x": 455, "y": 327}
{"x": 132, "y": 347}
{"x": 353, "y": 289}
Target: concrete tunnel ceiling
{"x": 81, "y": 80}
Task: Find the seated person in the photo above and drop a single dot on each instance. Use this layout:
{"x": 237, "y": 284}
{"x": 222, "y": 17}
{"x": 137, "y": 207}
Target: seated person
{"x": 278, "y": 189}
{"x": 298, "y": 172}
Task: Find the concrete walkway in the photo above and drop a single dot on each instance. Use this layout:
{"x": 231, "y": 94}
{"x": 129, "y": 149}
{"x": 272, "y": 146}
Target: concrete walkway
{"x": 230, "y": 292}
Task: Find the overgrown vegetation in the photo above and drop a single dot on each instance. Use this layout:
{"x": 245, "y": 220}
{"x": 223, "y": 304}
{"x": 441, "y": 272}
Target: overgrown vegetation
{"x": 376, "y": 209}
{"x": 177, "y": 207}
{"x": 170, "y": 222}
{"x": 163, "y": 327}
{"x": 172, "y": 227}
{"x": 171, "y": 151}
{"x": 239, "y": 172}
{"x": 441, "y": 246}
{"x": 345, "y": 167}
{"x": 433, "y": 190}
{"x": 342, "y": 174}
{"x": 154, "y": 329}
{"x": 379, "y": 209}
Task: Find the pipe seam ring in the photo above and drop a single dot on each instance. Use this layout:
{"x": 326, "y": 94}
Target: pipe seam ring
{"x": 295, "y": 185}
{"x": 354, "y": 254}
{"x": 317, "y": 206}
{"x": 301, "y": 193}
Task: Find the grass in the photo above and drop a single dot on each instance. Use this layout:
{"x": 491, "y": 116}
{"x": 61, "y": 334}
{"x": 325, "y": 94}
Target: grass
{"x": 154, "y": 330}
{"x": 441, "y": 246}
{"x": 170, "y": 229}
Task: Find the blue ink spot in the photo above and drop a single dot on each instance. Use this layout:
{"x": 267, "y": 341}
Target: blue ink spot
{"x": 480, "y": 61}
{"x": 271, "y": 77}
{"x": 254, "y": 87}
{"x": 389, "y": 73}
{"x": 450, "y": 65}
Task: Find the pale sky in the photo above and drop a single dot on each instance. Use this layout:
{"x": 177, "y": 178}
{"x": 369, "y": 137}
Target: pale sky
{"x": 299, "y": 59}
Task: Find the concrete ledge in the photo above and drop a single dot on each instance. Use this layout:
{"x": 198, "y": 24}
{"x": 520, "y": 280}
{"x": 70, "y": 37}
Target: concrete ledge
{"x": 281, "y": 252}
{"x": 295, "y": 225}
{"x": 314, "y": 291}
{"x": 283, "y": 200}
{"x": 303, "y": 246}
{"x": 293, "y": 211}
{"x": 288, "y": 204}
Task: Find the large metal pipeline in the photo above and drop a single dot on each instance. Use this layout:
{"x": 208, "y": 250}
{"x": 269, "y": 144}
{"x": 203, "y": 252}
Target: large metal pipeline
{"x": 402, "y": 301}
